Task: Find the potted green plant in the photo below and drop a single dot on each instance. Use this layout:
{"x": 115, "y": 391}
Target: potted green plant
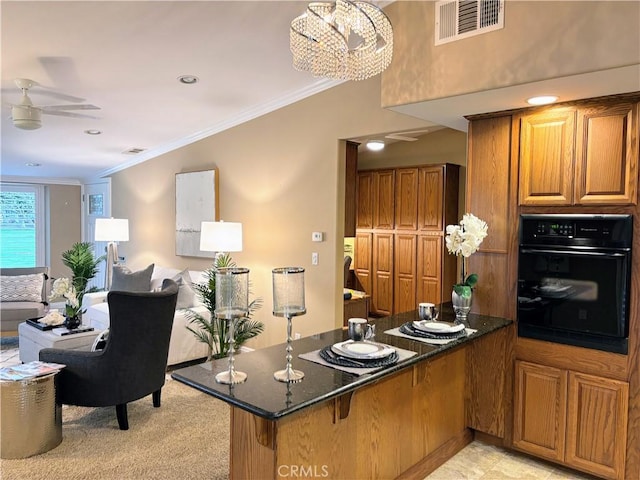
{"x": 213, "y": 331}
{"x": 84, "y": 266}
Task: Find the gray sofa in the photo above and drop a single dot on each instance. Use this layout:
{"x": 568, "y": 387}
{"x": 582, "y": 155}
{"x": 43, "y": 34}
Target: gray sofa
{"x": 13, "y": 313}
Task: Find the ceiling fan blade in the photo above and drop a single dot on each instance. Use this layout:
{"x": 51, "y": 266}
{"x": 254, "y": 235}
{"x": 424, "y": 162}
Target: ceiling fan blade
{"x": 61, "y": 113}
{"x": 86, "y": 106}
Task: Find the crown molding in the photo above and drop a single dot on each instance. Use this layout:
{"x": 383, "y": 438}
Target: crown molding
{"x": 39, "y": 180}
{"x": 242, "y": 117}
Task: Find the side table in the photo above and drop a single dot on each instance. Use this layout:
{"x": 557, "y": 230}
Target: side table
{"x": 30, "y": 419}
{"x": 31, "y": 341}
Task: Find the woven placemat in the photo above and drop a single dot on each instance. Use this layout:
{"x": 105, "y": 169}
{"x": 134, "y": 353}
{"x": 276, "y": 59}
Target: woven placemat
{"x": 409, "y": 329}
{"x": 330, "y": 356}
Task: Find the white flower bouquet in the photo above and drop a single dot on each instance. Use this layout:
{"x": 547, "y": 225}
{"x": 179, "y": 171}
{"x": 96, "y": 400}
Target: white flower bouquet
{"x": 464, "y": 240}
{"x": 63, "y": 288}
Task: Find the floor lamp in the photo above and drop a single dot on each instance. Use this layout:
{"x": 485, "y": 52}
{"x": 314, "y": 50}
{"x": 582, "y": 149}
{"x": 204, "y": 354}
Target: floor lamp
{"x": 111, "y": 230}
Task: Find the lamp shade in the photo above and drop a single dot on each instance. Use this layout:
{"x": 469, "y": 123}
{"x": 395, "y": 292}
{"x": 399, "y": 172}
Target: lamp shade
{"x": 112, "y": 230}
{"x": 221, "y": 237}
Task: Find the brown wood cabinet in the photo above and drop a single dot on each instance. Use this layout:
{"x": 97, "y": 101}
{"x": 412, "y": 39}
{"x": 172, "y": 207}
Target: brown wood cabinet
{"x": 571, "y": 418}
{"x": 579, "y": 155}
{"x": 350, "y": 187}
{"x": 405, "y": 260}
{"x": 491, "y": 196}
{"x": 540, "y": 410}
{"x": 382, "y": 276}
{"x": 364, "y": 204}
{"x": 383, "y": 199}
{"x": 363, "y": 261}
{"x": 607, "y": 155}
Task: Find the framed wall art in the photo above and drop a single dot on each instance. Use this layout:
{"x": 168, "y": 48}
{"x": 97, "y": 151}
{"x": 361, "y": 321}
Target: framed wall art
{"x": 196, "y": 202}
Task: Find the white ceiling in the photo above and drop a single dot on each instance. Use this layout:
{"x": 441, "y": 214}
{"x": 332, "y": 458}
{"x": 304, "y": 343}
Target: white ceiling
{"x": 125, "y": 57}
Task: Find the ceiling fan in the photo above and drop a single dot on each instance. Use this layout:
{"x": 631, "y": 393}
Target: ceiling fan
{"x": 27, "y": 116}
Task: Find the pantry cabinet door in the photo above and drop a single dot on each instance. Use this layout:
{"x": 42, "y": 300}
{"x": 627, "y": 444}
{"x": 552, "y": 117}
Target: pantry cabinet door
{"x": 405, "y": 273}
{"x": 382, "y": 288}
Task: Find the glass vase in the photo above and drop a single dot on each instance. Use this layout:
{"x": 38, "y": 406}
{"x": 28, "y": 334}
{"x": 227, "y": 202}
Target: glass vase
{"x": 461, "y": 306}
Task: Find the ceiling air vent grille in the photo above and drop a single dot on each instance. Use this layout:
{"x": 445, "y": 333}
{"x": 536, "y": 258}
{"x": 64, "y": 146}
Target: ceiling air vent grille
{"x": 458, "y": 19}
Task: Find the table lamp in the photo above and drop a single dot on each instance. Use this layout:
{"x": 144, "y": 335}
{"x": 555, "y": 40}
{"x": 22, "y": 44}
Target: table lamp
{"x": 221, "y": 237}
{"x": 111, "y": 230}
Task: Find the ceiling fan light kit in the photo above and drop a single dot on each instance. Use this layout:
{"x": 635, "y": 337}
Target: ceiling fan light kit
{"x": 345, "y": 40}
{"x": 27, "y": 116}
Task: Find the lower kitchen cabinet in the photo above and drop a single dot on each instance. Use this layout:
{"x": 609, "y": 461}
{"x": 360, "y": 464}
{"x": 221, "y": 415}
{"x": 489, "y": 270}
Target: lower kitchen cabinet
{"x": 571, "y": 418}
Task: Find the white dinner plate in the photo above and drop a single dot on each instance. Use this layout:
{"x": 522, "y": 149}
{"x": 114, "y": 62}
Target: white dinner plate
{"x": 438, "y": 327}
{"x": 362, "y": 350}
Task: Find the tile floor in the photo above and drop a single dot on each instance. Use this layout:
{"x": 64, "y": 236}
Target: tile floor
{"x": 480, "y": 461}
{"x": 477, "y": 461}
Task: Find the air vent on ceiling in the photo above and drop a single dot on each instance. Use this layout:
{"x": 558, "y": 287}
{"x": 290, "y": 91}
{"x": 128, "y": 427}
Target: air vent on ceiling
{"x": 133, "y": 151}
{"x": 458, "y": 19}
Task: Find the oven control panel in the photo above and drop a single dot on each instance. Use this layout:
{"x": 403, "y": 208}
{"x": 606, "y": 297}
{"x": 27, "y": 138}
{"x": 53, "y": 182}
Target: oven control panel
{"x": 578, "y": 229}
{"x": 564, "y": 229}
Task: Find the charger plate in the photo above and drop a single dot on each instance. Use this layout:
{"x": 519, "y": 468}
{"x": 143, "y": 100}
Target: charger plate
{"x": 329, "y": 356}
{"x": 409, "y": 329}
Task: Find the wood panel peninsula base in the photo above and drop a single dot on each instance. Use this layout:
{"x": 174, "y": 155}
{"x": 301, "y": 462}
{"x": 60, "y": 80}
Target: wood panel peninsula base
{"x": 401, "y": 422}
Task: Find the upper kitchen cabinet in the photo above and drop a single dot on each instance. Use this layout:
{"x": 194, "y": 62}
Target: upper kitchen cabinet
{"x": 586, "y": 155}
{"x": 607, "y": 155}
{"x": 364, "y": 194}
{"x": 406, "y": 199}
{"x": 375, "y": 197}
{"x": 546, "y": 157}
{"x": 383, "y": 199}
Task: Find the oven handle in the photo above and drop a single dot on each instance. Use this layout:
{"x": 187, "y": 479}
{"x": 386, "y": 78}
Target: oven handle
{"x": 590, "y": 253}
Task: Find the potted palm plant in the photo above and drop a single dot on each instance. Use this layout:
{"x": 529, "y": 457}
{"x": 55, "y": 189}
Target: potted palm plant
{"x": 213, "y": 331}
{"x": 84, "y": 266}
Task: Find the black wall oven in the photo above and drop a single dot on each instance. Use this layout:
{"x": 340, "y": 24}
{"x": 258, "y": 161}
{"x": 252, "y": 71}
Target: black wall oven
{"x": 574, "y": 275}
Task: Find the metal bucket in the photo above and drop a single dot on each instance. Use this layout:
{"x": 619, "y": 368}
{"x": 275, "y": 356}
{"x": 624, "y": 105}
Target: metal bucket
{"x": 30, "y": 420}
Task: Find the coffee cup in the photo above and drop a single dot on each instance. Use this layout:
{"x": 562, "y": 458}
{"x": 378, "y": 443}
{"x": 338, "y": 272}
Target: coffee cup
{"x": 427, "y": 311}
{"x": 359, "y": 329}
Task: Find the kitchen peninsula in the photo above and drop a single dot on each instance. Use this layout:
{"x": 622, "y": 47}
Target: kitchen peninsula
{"x": 401, "y": 421}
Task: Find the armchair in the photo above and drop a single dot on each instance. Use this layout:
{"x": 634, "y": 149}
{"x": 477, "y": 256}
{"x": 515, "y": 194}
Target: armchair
{"x": 133, "y": 362}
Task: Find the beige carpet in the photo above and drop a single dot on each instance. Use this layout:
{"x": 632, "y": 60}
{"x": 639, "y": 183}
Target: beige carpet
{"x": 186, "y": 438}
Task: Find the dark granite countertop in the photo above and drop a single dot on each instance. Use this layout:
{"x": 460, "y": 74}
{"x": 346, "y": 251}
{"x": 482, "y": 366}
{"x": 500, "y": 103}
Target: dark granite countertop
{"x": 264, "y": 396}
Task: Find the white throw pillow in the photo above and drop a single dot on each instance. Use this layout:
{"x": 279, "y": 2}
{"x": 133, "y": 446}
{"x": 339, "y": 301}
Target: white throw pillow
{"x": 21, "y": 288}
{"x": 186, "y": 295}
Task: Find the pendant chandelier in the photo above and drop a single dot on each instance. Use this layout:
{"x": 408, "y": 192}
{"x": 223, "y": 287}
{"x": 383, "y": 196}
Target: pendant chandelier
{"x": 345, "y": 40}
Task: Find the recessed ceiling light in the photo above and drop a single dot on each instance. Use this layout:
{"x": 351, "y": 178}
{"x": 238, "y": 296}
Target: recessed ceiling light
{"x": 542, "y": 100}
{"x": 375, "y": 145}
{"x": 93, "y": 132}
{"x": 33, "y": 164}
{"x": 188, "y": 79}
